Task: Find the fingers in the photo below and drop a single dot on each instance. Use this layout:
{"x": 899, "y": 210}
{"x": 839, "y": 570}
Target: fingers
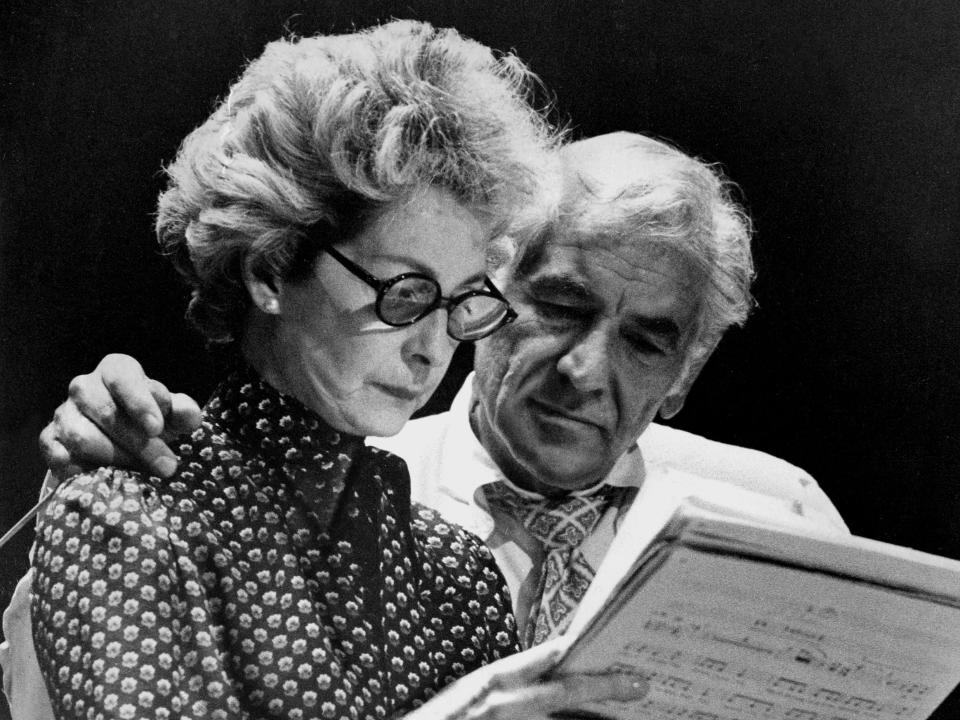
{"x": 178, "y": 412}
{"x": 55, "y": 455}
{"x": 570, "y": 694}
{"x": 126, "y": 385}
{"x": 115, "y": 415}
{"x": 120, "y": 436}
{"x": 184, "y": 415}
{"x": 565, "y": 697}
{"x": 72, "y": 441}
{"x": 514, "y": 689}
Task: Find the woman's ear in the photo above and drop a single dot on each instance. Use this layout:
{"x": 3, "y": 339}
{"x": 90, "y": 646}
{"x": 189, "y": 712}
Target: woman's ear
{"x": 264, "y": 293}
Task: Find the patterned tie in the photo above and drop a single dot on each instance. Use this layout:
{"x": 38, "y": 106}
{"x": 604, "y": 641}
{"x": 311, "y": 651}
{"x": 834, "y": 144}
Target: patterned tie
{"x": 561, "y": 525}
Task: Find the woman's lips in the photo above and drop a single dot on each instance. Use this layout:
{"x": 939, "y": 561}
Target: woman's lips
{"x": 400, "y": 392}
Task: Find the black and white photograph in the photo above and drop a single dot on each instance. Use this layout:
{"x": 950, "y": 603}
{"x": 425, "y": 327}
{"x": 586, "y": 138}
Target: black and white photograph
{"x": 480, "y": 359}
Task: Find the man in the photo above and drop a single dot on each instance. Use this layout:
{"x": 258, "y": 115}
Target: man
{"x": 621, "y": 298}
{"x": 623, "y": 288}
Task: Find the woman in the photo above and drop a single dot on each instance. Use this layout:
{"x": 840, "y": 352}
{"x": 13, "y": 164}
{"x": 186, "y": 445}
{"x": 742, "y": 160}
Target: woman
{"x": 331, "y": 217}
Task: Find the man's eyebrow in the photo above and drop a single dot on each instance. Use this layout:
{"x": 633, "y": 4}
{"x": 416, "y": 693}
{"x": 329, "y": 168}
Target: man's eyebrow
{"x": 562, "y": 286}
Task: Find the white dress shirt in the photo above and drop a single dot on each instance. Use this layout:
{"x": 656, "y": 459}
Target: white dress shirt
{"x": 448, "y": 468}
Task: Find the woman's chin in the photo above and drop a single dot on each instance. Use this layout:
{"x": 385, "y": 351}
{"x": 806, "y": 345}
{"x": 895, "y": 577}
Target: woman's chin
{"x": 383, "y": 423}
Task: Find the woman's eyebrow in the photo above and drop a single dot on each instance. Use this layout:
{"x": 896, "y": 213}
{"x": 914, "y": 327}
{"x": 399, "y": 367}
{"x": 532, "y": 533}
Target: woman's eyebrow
{"x": 476, "y": 278}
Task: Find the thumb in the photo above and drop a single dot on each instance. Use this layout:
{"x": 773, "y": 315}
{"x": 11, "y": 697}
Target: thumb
{"x": 184, "y": 415}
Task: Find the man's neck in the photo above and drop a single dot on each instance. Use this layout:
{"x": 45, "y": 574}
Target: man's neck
{"x": 512, "y": 470}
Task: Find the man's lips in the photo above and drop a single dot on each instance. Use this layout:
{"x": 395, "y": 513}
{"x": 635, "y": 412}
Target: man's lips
{"x": 550, "y": 410}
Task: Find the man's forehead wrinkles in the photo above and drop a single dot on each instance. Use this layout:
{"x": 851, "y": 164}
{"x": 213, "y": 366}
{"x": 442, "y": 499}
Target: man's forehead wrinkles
{"x": 625, "y": 271}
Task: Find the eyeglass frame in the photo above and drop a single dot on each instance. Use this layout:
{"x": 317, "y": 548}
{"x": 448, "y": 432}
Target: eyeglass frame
{"x": 382, "y": 286}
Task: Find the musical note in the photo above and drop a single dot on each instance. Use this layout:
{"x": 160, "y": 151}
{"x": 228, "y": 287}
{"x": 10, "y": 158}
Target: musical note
{"x": 805, "y": 656}
{"x": 861, "y": 703}
{"x": 712, "y": 664}
{"x": 793, "y": 687}
{"x": 907, "y": 689}
{"x": 665, "y": 657}
{"x": 661, "y": 626}
{"x": 828, "y": 695}
{"x": 746, "y": 702}
{"x": 743, "y": 642}
{"x": 797, "y": 632}
{"x": 675, "y": 683}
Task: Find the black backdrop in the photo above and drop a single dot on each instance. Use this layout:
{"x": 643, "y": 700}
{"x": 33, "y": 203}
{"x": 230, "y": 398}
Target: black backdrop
{"x": 840, "y": 121}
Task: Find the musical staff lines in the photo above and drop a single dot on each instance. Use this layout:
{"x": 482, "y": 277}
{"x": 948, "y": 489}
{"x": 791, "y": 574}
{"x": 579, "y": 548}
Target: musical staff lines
{"x": 748, "y": 691}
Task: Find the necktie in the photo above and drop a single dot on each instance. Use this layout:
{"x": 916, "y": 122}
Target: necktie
{"x": 561, "y": 525}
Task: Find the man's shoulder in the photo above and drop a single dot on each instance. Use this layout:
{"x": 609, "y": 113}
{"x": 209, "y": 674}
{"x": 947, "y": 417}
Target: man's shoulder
{"x": 663, "y": 445}
{"x": 753, "y": 470}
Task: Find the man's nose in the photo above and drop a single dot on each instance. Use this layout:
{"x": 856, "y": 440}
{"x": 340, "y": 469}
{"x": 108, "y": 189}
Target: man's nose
{"x": 429, "y": 344}
{"x": 586, "y": 363}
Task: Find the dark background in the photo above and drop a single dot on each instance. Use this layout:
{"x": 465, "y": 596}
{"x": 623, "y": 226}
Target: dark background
{"x": 839, "y": 120}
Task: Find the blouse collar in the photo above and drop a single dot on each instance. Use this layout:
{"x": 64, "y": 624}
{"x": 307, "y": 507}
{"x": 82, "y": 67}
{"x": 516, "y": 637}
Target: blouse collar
{"x": 275, "y": 424}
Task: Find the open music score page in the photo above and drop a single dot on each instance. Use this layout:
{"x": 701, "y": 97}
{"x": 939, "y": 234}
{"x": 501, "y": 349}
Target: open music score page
{"x": 733, "y": 618}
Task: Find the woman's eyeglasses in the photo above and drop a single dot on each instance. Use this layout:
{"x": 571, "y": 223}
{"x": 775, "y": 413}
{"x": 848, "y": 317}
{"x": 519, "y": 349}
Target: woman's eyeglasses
{"x": 406, "y": 298}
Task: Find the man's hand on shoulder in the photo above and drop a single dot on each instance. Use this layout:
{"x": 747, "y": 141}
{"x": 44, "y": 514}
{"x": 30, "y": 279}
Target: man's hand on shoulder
{"x": 116, "y": 415}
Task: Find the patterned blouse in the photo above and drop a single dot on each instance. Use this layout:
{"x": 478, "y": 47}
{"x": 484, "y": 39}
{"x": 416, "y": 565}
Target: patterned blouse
{"x": 280, "y": 574}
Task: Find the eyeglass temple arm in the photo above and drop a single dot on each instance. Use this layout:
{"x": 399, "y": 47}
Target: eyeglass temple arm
{"x": 511, "y": 313}
{"x": 371, "y": 280}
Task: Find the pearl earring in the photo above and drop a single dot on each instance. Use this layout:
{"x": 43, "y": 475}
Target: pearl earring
{"x": 271, "y": 306}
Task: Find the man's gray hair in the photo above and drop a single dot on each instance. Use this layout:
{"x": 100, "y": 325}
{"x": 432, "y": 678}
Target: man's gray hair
{"x": 635, "y": 187}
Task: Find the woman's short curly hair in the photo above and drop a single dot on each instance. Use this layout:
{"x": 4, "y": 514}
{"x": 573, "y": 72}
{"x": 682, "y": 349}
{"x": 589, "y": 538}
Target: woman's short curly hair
{"x": 319, "y": 132}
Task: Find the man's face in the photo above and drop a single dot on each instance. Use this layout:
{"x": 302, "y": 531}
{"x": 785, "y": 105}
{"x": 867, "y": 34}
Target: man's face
{"x": 603, "y": 328}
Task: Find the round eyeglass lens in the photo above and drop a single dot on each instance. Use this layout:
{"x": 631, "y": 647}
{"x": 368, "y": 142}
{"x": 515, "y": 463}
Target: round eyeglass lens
{"x": 407, "y": 299}
{"x": 476, "y": 316}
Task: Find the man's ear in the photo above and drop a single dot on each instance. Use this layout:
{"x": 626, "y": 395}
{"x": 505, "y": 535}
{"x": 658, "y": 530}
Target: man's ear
{"x": 264, "y": 293}
{"x": 673, "y": 402}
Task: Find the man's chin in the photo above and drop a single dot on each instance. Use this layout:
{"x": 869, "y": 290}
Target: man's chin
{"x": 565, "y": 468}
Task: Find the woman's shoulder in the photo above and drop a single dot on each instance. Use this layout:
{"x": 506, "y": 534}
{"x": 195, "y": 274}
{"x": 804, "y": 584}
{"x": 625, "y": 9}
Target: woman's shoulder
{"x": 104, "y": 502}
{"x": 115, "y": 502}
{"x": 466, "y": 582}
{"x": 454, "y": 551}
{"x": 106, "y": 491}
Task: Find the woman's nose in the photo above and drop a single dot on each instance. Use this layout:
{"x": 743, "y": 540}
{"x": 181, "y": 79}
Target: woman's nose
{"x": 429, "y": 344}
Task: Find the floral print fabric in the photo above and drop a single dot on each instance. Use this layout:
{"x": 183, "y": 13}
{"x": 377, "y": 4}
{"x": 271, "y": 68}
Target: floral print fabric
{"x": 280, "y": 574}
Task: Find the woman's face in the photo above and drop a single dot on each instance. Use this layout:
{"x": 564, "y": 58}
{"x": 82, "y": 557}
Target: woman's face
{"x": 328, "y": 348}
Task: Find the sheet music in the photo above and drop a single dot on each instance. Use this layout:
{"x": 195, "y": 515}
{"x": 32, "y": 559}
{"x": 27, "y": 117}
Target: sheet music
{"x": 726, "y": 638}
